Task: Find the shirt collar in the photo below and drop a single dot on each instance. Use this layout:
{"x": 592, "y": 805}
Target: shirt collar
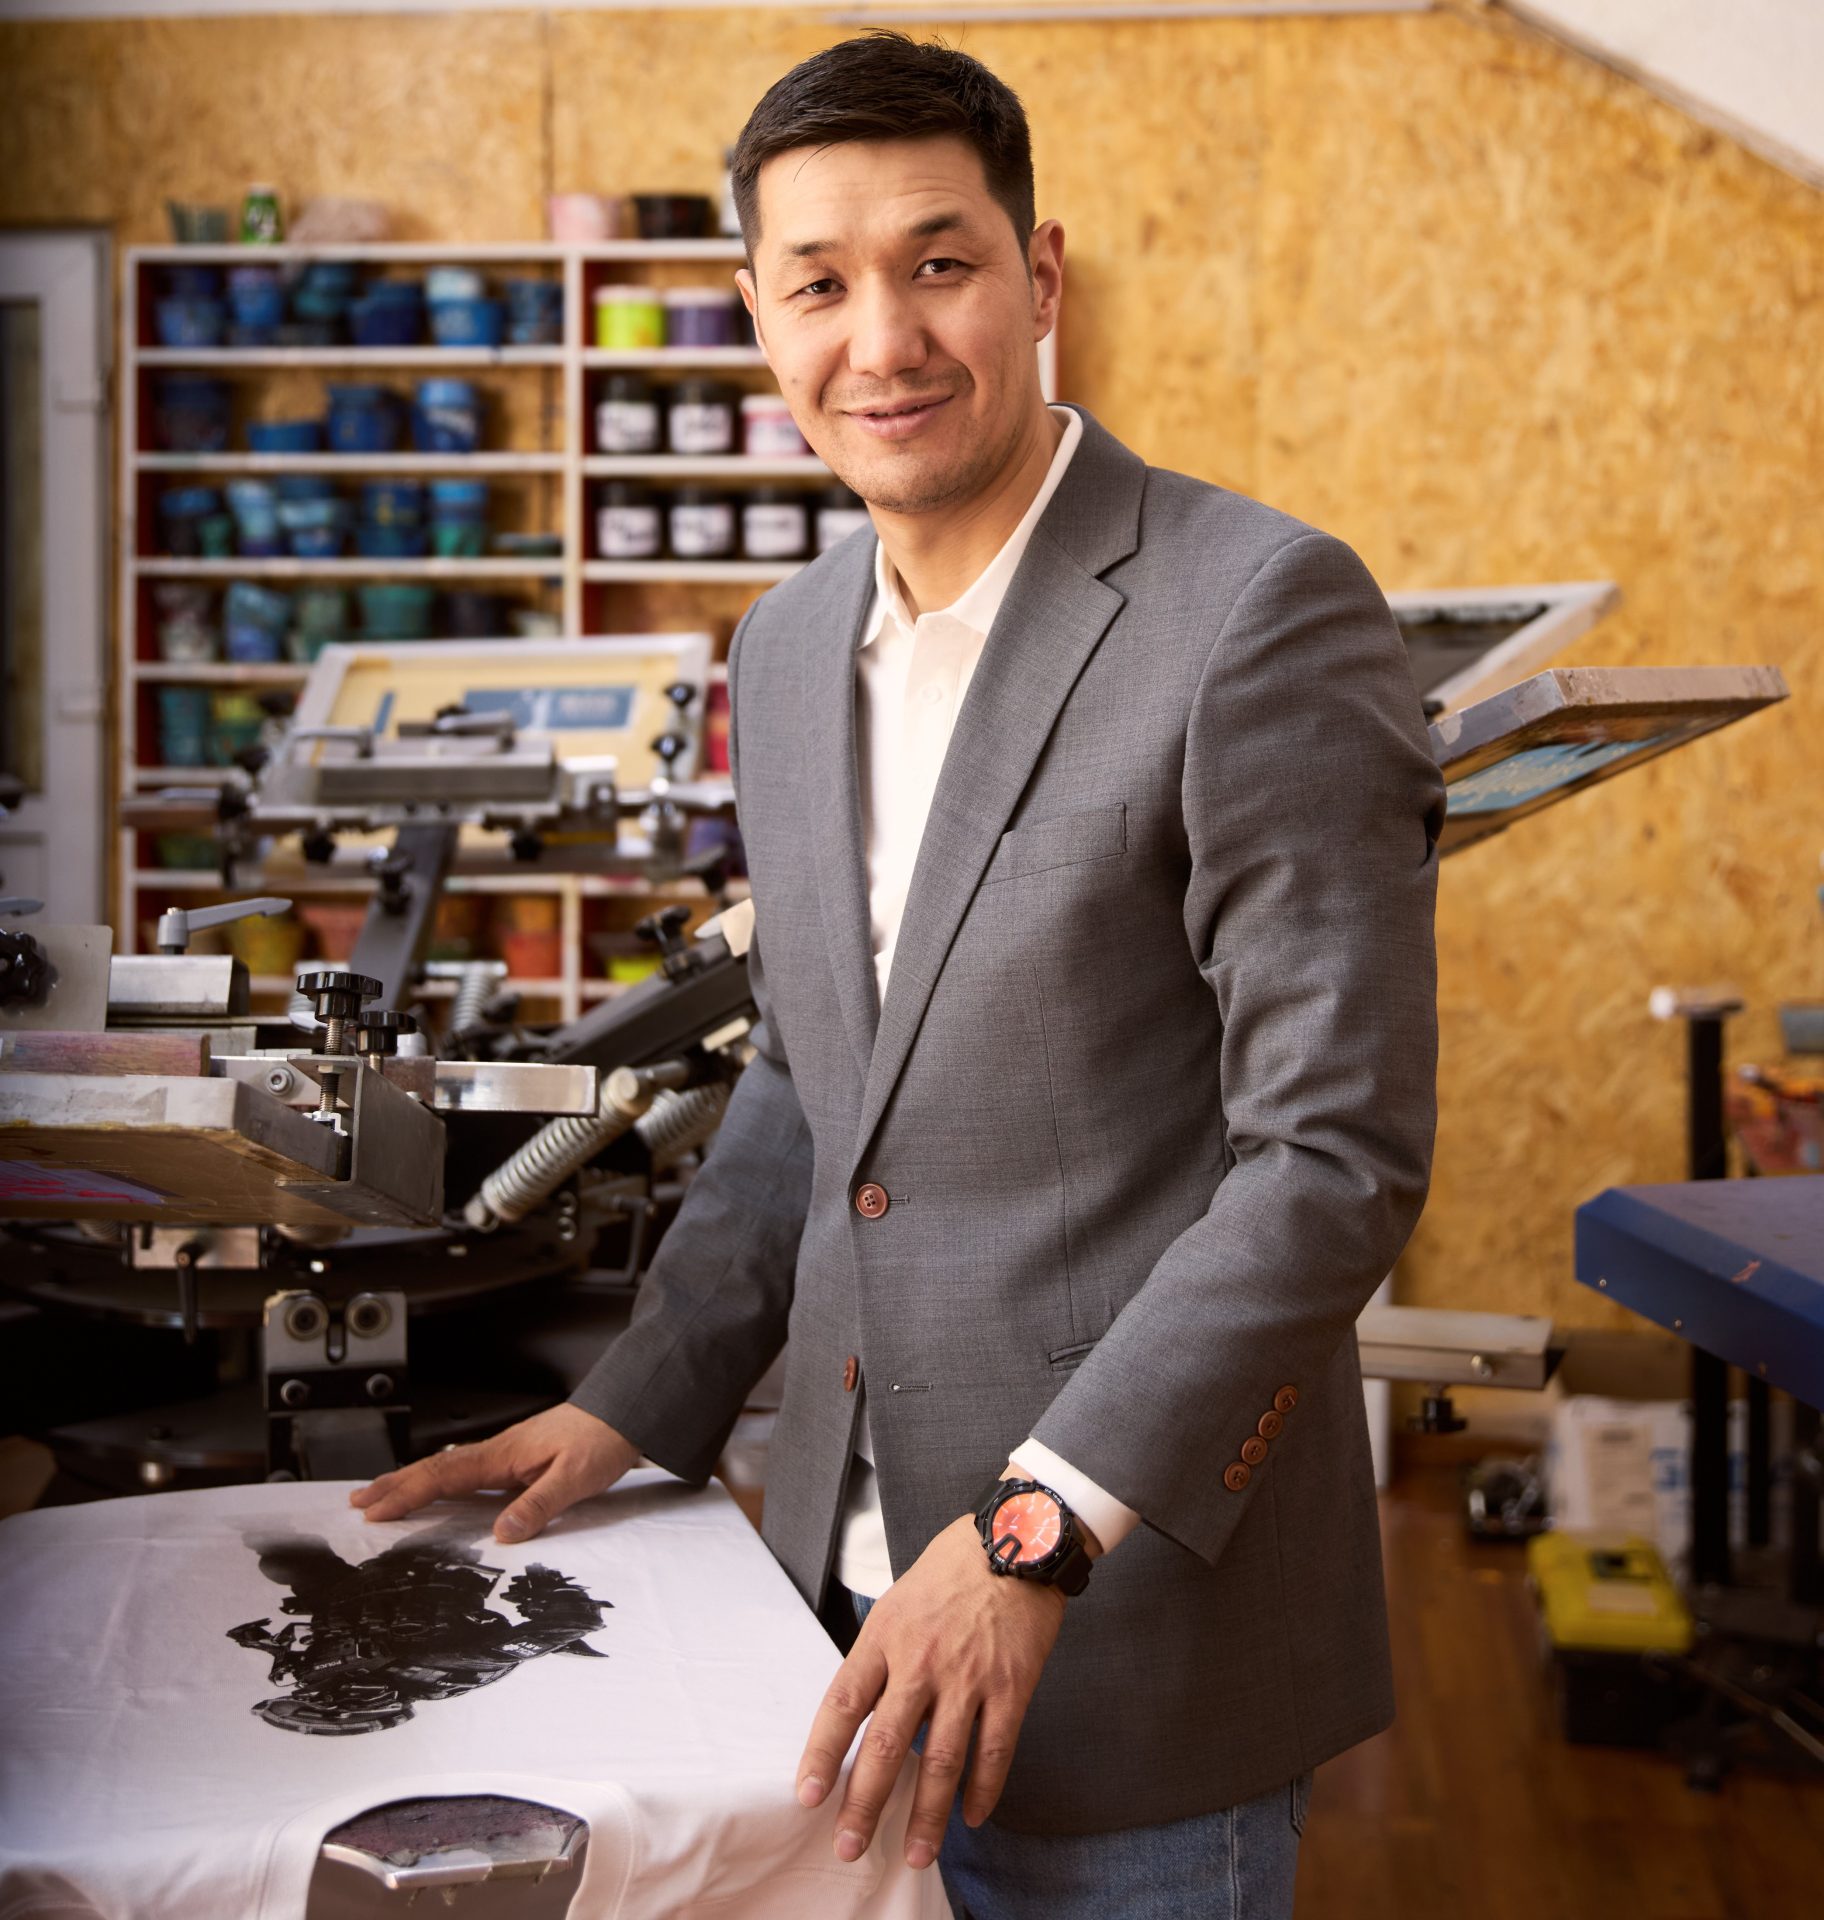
{"x": 976, "y": 607}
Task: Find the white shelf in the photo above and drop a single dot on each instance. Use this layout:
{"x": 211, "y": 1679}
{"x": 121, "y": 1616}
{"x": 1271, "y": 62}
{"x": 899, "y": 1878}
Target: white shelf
{"x": 350, "y": 463}
{"x": 430, "y": 252}
{"x": 735, "y": 572}
{"x": 159, "y": 568}
{"x": 219, "y": 673}
{"x": 257, "y": 359}
{"x": 715, "y": 466}
{"x": 673, "y": 359}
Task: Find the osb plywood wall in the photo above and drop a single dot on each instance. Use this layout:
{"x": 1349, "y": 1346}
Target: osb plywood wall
{"x": 1480, "y": 307}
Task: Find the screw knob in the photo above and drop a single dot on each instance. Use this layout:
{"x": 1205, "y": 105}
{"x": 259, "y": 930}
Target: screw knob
{"x": 25, "y": 973}
{"x": 377, "y": 1034}
{"x": 338, "y": 996}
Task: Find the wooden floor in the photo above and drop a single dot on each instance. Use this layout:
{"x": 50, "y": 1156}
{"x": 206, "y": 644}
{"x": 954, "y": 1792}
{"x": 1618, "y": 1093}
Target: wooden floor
{"x": 1472, "y": 1807}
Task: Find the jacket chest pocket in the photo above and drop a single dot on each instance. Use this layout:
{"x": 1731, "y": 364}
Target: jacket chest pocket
{"x": 1067, "y": 840}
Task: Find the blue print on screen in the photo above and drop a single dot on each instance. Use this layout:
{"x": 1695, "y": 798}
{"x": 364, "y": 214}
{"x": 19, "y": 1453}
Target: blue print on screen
{"x": 557, "y": 709}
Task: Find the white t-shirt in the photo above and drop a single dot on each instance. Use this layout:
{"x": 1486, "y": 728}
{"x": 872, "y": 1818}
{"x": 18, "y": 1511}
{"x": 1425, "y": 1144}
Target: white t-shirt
{"x": 172, "y": 1670}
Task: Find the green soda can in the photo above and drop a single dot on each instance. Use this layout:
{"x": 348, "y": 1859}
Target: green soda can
{"x": 260, "y": 223}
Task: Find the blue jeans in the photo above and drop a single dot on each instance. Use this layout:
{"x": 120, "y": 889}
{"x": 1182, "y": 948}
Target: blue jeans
{"x": 1238, "y": 1863}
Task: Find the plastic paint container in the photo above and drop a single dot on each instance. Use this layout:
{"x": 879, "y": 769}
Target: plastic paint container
{"x": 363, "y": 420}
{"x": 380, "y": 319}
{"x": 674, "y": 216}
{"x": 698, "y": 317}
{"x": 626, "y": 521}
{"x": 627, "y": 416}
{"x": 190, "y": 413}
{"x": 447, "y": 417}
{"x": 391, "y": 543}
{"x": 285, "y": 436}
{"x": 582, "y": 216}
{"x": 840, "y": 512}
{"x": 183, "y": 726}
{"x": 775, "y": 524}
{"x": 768, "y": 431}
{"x": 453, "y": 283}
{"x": 392, "y": 503}
{"x": 628, "y": 319}
{"x": 701, "y": 524}
{"x": 256, "y": 296}
{"x": 260, "y": 221}
{"x": 394, "y": 610}
{"x": 468, "y": 323}
{"x": 191, "y": 323}
{"x": 701, "y": 418}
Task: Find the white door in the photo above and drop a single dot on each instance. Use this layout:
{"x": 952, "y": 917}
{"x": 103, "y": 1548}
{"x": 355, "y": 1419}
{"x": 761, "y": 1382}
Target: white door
{"x": 54, "y": 358}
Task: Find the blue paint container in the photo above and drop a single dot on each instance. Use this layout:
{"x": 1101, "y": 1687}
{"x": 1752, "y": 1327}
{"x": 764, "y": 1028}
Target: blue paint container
{"x": 190, "y": 283}
{"x": 386, "y": 322}
{"x": 257, "y": 296}
{"x": 468, "y": 323}
{"x": 392, "y": 503}
{"x": 447, "y": 417}
{"x": 454, "y": 283}
{"x": 458, "y": 499}
{"x": 363, "y": 420}
{"x": 391, "y": 543}
{"x": 183, "y": 726}
{"x": 305, "y": 486}
{"x": 191, "y": 323}
{"x": 190, "y": 413}
{"x": 285, "y": 436}
{"x": 248, "y": 604}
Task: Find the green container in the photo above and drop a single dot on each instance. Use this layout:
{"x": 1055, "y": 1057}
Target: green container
{"x": 459, "y": 539}
{"x": 321, "y": 612}
{"x": 394, "y": 610}
{"x": 234, "y": 725}
{"x": 215, "y": 536}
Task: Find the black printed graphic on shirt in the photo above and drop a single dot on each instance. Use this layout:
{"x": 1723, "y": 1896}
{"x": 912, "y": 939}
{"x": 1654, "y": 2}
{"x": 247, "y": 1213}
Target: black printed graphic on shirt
{"x": 412, "y": 1624}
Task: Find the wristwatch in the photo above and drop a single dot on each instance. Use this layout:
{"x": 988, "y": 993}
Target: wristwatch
{"x": 1029, "y": 1532}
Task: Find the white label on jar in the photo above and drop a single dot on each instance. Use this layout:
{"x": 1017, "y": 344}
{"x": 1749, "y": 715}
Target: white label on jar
{"x": 837, "y": 523}
{"x": 627, "y": 533}
{"x": 772, "y": 436}
{"x": 773, "y": 532}
{"x": 702, "y": 533}
{"x": 627, "y": 426}
{"x": 702, "y": 428}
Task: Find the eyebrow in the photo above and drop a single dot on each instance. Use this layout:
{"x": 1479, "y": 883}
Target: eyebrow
{"x": 919, "y": 230}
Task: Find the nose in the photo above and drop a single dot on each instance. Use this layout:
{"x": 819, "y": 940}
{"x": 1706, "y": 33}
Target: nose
{"x": 886, "y": 338}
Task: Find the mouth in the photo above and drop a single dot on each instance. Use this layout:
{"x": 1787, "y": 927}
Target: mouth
{"x": 901, "y": 419}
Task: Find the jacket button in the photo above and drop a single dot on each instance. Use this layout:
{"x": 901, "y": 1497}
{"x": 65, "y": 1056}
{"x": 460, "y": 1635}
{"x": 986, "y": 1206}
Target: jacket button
{"x": 1271, "y": 1426}
{"x": 851, "y": 1372}
{"x": 1283, "y": 1401}
{"x": 871, "y": 1201}
{"x": 1235, "y": 1476}
{"x": 1253, "y": 1450}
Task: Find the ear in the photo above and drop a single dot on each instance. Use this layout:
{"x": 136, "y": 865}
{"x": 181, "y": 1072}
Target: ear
{"x": 750, "y": 294}
{"x": 1045, "y": 264}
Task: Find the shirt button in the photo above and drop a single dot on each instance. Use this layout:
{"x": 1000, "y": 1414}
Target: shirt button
{"x": 851, "y": 1372}
{"x": 1235, "y": 1476}
{"x": 1253, "y": 1450}
{"x": 1271, "y": 1425}
{"x": 1285, "y": 1400}
{"x": 932, "y": 695}
{"x": 871, "y": 1201}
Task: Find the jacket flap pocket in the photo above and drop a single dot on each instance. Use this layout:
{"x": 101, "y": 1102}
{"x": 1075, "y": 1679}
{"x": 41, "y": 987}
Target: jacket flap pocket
{"x": 1099, "y": 833}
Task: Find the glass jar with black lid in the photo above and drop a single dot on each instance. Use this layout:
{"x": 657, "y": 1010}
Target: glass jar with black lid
{"x": 628, "y": 417}
{"x": 628, "y": 522}
{"x": 775, "y": 523}
{"x": 701, "y": 417}
{"x": 701, "y": 524}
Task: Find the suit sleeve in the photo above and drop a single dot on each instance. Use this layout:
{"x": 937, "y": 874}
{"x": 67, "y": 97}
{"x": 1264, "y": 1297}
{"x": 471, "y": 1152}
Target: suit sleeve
{"x": 712, "y": 1310}
{"x": 1312, "y": 804}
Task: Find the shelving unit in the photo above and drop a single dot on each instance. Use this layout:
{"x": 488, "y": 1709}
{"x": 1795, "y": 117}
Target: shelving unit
{"x": 590, "y": 595}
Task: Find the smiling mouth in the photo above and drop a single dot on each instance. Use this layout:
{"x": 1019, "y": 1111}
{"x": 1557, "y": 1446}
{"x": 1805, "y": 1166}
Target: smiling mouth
{"x": 900, "y": 408}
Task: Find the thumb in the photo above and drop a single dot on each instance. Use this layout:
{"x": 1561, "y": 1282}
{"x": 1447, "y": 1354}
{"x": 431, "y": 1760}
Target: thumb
{"x": 536, "y": 1508}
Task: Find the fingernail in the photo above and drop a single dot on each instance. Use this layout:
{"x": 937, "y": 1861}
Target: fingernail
{"x": 920, "y": 1853}
{"x": 810, "y": 1790}
{"x": 849, "y": 1845}
{"x": 507, "y": 1528}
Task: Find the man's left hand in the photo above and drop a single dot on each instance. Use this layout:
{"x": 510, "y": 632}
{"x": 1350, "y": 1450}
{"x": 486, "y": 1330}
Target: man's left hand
{"x": 949, "y": 1643}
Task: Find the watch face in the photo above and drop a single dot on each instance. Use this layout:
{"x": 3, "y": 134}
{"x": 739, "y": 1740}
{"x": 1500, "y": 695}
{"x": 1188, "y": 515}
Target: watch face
{"x": 1027, "y": 1527}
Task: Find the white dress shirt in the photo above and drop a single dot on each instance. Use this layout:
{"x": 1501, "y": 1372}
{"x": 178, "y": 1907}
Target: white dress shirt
{"x": 911, "y": 677}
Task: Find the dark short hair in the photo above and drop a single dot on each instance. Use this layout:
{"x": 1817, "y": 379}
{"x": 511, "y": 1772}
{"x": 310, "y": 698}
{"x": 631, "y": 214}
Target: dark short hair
{"x": 884, "y": 85}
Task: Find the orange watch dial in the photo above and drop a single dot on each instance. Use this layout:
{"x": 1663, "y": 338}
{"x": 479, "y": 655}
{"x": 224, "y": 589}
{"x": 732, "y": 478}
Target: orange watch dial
{"x": 1027, "y": 1526}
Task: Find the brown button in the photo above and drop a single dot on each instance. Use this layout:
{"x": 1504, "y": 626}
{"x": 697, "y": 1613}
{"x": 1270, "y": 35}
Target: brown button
{"x": 851, "y": 1372}
{"x": 1271, "y": 1426}
{"x": 1235, "y": 1476}
{"x": 1253, "y": 1450}
{"x": 871, "y": 1201}
{"x": 1284, "y": 1400}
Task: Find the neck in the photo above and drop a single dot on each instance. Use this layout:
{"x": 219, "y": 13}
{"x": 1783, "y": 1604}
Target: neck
{"x": 939, "y": 555}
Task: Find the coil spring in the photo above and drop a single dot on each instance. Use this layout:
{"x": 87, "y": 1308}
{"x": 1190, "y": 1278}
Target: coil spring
{"x": 549, "y": 1158}
{"x": 473, "y": 988}
{"x": 676, "y": 1122}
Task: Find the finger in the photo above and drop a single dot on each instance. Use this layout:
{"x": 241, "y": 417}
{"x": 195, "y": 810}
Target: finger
{"x": 542, "y": 1501}
{"x": 995, "y": 1741}
{"x": 846, "y": 1703}
{"x": 884, "y": 1746}
{"x": 940, "y": 1773}
{"x": 456, "y": 1470}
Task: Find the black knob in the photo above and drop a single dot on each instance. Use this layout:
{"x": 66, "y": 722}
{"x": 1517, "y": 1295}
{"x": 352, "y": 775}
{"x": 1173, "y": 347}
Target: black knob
{"x": 680, "y": 693}
{"x": 526, "y": 846}
{"x": 25, "y": 973}
{"x": 318, "y": 847}
{"x": 377, "y": 1034}
{"x": 669, "y": 747}
{"x": 665, "y": 931}
{"x": 338, "y": 996}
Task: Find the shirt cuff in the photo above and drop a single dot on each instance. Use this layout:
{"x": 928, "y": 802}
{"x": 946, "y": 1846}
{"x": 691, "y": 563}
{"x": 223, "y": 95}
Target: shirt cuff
{"x": 1100, "y": 1512}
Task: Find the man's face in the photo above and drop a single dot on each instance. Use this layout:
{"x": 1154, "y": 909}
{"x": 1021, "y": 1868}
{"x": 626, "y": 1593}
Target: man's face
{"x": 896, "y": 310}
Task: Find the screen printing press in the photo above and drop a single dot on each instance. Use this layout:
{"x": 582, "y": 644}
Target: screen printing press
{"x": 306, "y": 1247}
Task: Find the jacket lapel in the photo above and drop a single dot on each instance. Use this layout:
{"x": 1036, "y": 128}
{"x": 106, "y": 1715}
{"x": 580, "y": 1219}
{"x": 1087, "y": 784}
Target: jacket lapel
{"x": 1055, "y": 613}
{"x": 836, "y": 841}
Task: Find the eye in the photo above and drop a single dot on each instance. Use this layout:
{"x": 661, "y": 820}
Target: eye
{"x": 944, "y": 266}
{"x": 816, "y": 288}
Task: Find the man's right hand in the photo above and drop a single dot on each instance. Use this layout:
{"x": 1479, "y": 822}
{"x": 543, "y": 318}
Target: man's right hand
{"x": 557, "y": 1458}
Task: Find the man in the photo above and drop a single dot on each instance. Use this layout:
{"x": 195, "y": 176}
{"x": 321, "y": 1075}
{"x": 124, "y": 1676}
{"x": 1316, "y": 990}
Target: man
{"x": 1091, "y": 825}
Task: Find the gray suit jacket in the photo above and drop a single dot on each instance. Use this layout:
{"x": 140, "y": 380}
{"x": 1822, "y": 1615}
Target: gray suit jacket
{"x": 1152, "y": 1098}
